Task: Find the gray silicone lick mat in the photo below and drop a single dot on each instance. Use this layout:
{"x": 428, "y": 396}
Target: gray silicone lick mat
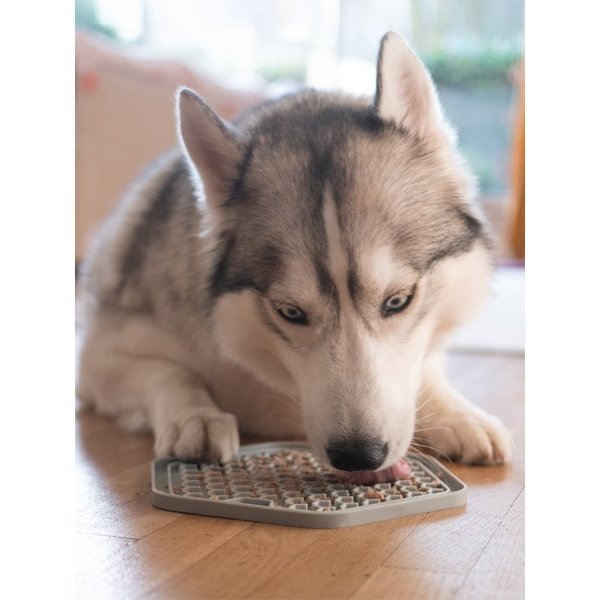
{"x": 284, "y": 483}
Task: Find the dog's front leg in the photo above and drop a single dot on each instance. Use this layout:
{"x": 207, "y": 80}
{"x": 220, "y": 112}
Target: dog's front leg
{"x": 454, "y": 427}
{"x": 186, "y": 421}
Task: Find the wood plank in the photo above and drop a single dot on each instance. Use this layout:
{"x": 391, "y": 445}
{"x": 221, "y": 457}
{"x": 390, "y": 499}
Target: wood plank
{"x": 97, "y": 495}
{"x": 112, "y": 471}
{"x": 339, "y": 563}
{"x": 409, "y": 584}
{"x": 107, "y": 449}
{"x": 98, "y": 568}
{"x": 448, "y": 541}
{"x": 502, "y": 564}
{"x": 170, "y": 551}
{"x": 136, "y": 519}
{"x": 257, "y": 553}
{"x": 162, "y": 555}
{"x": 491, "y": 490}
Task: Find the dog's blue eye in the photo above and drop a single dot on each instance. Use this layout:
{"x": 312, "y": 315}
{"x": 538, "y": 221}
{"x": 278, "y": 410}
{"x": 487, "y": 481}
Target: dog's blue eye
{"x": 293, "y": 314}
{"x": 394, "y": 304}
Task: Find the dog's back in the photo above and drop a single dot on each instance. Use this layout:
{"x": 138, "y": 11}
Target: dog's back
{"x": 142, "y": 260}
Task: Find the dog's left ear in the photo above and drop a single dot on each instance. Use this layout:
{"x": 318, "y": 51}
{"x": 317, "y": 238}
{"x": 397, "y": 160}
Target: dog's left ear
{"x": 405, "y": 93}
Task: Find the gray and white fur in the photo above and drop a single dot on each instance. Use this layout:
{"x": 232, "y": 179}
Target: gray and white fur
{"x": 297, "y": 272}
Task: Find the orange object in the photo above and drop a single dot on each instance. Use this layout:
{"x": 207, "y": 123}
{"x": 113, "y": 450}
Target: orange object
{"x": 89, "y": 82}
{"x": 517, "y": 203}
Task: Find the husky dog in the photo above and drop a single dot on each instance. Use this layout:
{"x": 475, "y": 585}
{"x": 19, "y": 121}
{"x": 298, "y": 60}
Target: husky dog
{"x": 296, "y": 273}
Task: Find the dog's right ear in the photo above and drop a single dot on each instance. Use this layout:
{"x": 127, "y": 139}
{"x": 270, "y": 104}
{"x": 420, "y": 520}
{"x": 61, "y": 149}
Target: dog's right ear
{"x": 212, "y": 145}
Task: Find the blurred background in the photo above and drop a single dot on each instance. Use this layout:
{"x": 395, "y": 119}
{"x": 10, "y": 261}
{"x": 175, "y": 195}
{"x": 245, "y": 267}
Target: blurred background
{"x": 132, "y": 54}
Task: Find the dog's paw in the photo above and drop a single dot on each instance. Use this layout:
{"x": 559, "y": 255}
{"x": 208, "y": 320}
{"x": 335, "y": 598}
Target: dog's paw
{"x": 467, "y": 434}
{"x": 199, "y": 435}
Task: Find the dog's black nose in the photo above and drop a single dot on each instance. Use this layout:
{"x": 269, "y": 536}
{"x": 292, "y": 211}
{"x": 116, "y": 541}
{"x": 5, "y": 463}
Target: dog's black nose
{"x": 356, "y": 454}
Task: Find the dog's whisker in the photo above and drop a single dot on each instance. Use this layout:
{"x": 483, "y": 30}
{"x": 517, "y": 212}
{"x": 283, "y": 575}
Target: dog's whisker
{"x": 425, "y": 401}
{"x": 421, "y": 430}
{"x": 426, "y": 417}
{"x": 414, "y": 450}
{"x": 433, "y": 448}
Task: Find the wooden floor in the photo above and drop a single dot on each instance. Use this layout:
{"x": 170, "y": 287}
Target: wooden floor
{"x": 128, "y": 549}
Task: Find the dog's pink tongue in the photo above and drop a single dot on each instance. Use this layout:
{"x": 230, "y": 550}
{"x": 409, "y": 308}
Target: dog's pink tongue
{"x": 399, "y": 470}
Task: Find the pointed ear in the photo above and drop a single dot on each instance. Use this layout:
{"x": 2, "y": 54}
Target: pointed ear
{"x": 211, "y": 144}
{"x": 405, "y": 93}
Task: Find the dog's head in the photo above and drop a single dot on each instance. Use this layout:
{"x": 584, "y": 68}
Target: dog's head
{"x": 344, "y": 246}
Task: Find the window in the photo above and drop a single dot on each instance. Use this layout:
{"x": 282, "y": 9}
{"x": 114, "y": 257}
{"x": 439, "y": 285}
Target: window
{"x": 471, "y": 48}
